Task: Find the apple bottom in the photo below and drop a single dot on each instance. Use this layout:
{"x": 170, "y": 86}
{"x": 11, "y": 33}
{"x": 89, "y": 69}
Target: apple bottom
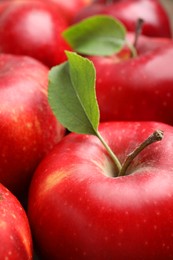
{"x": 79, "y": 208}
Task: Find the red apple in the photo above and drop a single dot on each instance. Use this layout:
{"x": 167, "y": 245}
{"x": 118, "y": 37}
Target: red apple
{"x": 67, "y": 8}
{"x": 156, "y": 20}
{"x": 15, "y": 234}
{"x": 33, "y": 28}
{"x": 137, "y": 88}
{"x": 28, "y": 127}
{"x": 79, "y": 209}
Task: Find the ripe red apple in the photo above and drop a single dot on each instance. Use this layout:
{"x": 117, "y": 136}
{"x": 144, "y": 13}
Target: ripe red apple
{"x": 33, "y": 28}
{"x": 128, "y": 86}
{"x": 28, "y": 127}
{"x": 15, "y": 234}
{"x": 137, "y": 88}
{"x": 67, "y": 8}
{"x": 156, "y": 20}
{"x": 79, "y": 209}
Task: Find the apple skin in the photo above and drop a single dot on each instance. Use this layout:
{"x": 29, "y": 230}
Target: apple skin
{"x": 28, "y": 126}
{"x": 147, "y": 44}
{"x": 67, "y": 8}
{"x": 137, "y": 88}
{"x": 70, "y": 8}
{"x": 33, "y": 28}
{"x": 156, "y": 20}
{"x": 77, "y": 210}
{"x": 15, "y": 233}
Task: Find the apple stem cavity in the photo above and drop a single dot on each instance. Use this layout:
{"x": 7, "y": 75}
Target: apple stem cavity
{"x": 154, "y": 137}
{"x": 122, "y": 168}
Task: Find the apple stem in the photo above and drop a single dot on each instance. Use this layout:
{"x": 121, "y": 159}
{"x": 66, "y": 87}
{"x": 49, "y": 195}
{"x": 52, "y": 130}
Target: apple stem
{"x": 110, "y": 152}
{"x": 132, "y": 47}
{"x": 154, "y": 137}
{"x": 138, "y": 31}
{"x": 107, "y": 2}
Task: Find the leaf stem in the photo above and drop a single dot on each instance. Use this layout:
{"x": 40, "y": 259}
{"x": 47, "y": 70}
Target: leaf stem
{"x": 112, "y": 155}
{"x": 154, "y": 137}
{"x": 132, "y": 49}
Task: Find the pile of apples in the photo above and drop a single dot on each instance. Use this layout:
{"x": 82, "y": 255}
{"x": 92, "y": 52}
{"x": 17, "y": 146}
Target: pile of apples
{"x": 86, "y": 133}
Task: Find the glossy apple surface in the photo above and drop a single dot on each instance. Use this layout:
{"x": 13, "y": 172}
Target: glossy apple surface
{"x": 33, "y": 28}
{"x": 15, "y": 234}
{"x": 137, "y": 88}
{"x": 28, "y": 127}
{"x": 78, "y": 210}
{"x": 156, "y": 19}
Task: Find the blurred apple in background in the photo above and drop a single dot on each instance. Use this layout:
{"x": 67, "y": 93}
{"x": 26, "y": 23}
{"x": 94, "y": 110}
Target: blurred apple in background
{"x": 68, "y": 9}
{"x": 33, "y": 28}
{"x": 156, "y": 20}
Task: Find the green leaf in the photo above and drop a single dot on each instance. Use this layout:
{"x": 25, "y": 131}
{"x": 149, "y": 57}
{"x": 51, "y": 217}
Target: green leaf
{"x": 72, "y": 97}
{"x": 97, "y": 35}
{"x": 71, "y": 94}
